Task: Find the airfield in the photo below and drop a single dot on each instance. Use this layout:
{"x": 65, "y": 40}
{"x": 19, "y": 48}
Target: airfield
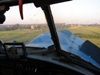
{"x": 27, "y": 33}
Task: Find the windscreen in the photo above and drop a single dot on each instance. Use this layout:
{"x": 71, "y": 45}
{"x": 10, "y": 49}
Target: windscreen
{"x": 16, "y": 30}
{"x": 81, "y": 17}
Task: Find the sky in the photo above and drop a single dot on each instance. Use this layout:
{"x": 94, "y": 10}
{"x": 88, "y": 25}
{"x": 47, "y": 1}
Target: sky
{"x": 72, "y": 12}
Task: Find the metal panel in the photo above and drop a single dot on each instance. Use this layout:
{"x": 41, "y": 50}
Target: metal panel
{"x": 91, "y": 50}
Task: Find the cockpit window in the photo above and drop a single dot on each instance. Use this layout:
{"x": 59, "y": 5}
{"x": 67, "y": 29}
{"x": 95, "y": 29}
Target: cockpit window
{"x": 16, "y": 30}
{"x": 79, "y": 17}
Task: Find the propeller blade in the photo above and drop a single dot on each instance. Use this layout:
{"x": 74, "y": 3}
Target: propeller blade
{"x": 21, "y": 8}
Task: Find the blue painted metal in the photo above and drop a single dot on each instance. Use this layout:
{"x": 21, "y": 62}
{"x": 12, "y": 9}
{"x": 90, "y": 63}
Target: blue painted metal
{"x": 69, "y": 43}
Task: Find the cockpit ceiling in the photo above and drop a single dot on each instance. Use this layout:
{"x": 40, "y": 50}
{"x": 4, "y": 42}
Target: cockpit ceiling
{"x": 39, "y": 3}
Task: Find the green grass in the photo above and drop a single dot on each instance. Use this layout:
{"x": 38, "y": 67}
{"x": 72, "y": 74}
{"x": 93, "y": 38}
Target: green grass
{"x": 27, "y": 37}
{"x": 19, "y": 35}
{"x": 96, "y": 33}
{"x": 9, "y": 34}
{"x": 91, "y": 33}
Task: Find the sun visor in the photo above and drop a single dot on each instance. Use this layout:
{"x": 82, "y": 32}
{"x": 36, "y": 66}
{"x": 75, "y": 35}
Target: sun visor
{"x": 91, "y": 50}
{"x": 39, "y": 3}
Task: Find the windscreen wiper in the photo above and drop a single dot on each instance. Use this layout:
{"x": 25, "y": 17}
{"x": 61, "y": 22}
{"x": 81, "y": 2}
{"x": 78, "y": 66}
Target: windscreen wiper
{"x": 74, "y": 59}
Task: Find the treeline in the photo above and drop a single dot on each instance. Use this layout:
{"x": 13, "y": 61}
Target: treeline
{"x": 42, "y": 26}
{"x": 13, "y": 27}
{"x": 21, "y": 27}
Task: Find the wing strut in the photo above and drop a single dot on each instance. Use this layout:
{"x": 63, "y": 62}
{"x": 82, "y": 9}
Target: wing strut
{"x": 51, "y": 25}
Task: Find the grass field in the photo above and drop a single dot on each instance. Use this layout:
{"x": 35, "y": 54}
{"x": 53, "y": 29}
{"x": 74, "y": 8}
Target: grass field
{"x": 19, "y": 35}
{"x": 91, "y": 33}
